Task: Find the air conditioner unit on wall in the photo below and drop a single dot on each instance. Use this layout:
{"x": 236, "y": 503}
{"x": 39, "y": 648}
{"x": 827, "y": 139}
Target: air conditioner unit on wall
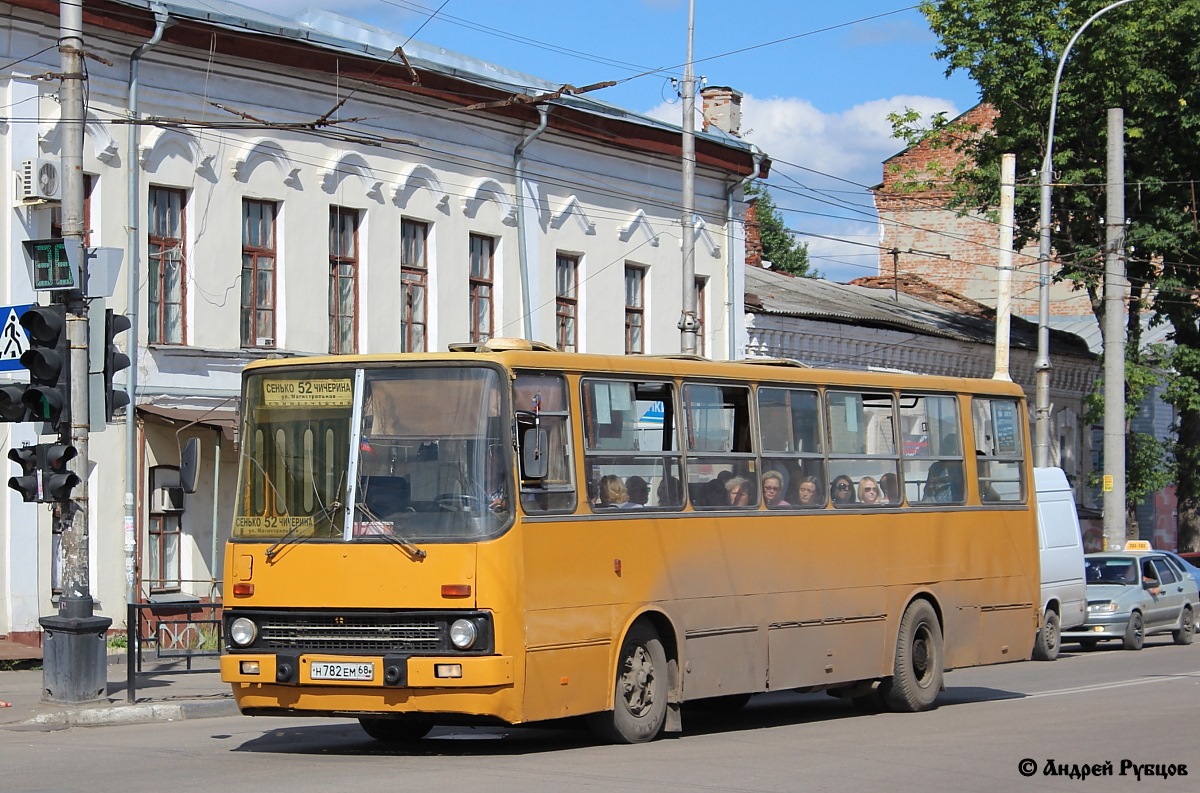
{"x": 41, "y": 180}
{"x": 167, "y": 499}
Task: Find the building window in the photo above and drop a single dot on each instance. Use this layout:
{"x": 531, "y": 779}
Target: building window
{"x": 414, "y": 269}
{"x": 343, "y": 280}
{"x": 168, "y": 265}
{"x": 701, "y": 348}
{"x": 163, "y": 567}
{"x": 566, "y": 289}
{"x": 258, "y": 273}
{"x": 483, "y": 253}
{"x": 634, "y": 309}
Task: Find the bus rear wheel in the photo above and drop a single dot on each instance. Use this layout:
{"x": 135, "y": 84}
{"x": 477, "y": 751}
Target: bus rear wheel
{"x": 917, "y": 671}
{"x": 395, "y": 730}
{"x": 1045, "y": 648}
{"x": 640, "y": 697}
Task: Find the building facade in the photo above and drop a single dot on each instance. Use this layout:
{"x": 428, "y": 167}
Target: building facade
{"x": 285, "y": 187}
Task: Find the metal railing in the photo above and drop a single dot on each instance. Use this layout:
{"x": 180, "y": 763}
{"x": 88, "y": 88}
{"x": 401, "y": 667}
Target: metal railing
{"x": 184, "y": 629}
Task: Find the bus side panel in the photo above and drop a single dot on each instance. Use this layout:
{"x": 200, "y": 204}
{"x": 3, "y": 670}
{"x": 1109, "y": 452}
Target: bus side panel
{"x": 725, "y": 646}
{"x": 826, "y": 638}
{"x": 566, "y": 681}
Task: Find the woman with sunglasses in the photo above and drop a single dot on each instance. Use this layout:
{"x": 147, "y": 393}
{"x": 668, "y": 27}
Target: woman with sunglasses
{"x": 842, "y": 490}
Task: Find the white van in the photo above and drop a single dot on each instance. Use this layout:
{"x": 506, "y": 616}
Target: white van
{"x": 1064, "y": 589}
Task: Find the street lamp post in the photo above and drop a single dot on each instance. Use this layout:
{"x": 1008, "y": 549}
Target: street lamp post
{"x": 1041, "y": 449}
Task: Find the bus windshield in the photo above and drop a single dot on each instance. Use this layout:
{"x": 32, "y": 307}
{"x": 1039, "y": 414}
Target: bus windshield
{"x": 427, "y": 459}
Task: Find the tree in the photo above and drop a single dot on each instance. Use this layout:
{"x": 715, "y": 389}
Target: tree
{"x": 1140, "y": 57}
{"x": 780, "y": 246}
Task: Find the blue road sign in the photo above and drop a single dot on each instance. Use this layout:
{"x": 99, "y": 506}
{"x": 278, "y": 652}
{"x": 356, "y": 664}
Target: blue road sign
{"x": 13, "y": 340}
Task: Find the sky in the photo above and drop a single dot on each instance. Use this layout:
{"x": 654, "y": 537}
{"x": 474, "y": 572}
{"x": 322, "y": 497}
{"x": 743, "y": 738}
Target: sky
{"x": 818, "y": 80}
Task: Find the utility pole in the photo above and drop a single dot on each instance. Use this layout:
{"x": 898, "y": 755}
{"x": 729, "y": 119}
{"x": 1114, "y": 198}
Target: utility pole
{"x": 1008, "y": 189}
{"x": 688, "y": 323}
{"x": 1041, "y": 444}
{"x": 1114, "y": 335}
{"x": 74, "y": 668}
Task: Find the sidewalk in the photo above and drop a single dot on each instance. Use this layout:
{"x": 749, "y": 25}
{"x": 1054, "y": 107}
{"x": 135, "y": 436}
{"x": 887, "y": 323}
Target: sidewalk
{"x": 165, "y": 691}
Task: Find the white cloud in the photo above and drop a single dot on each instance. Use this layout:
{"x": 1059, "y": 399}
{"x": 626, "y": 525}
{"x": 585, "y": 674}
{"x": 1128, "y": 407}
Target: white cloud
{"x": 849, "y": 145}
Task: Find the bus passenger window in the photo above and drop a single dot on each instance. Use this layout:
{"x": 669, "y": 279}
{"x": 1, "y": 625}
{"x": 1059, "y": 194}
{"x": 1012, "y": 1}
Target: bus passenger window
{"x": 542, "y": 418}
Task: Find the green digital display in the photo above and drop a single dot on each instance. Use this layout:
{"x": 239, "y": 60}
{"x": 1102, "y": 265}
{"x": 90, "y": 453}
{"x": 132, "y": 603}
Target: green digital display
{"x": 49, "y": 266}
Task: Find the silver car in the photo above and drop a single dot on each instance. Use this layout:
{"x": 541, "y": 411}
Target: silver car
{"x": 1135, "y": 594}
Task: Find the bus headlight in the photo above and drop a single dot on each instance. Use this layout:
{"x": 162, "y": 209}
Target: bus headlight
{"x": 463, "y": 634}
{"x": 243, "y": 631}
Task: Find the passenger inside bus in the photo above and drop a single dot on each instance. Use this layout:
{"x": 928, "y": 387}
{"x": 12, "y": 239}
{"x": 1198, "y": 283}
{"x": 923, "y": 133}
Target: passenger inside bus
{"x": 773, "y": 489}
{"x": 638, "y": 489}
{"x": 670, "y": 492}
{"x": 890, "y": 487}
{"x": 869, "y": 492}
{"x": 807, "y": 492}
{"x": 614, "y": 494}
{"x": 841, "y": 491}
{"x": 944, "y": 484}
{"x": 739, "y": 492}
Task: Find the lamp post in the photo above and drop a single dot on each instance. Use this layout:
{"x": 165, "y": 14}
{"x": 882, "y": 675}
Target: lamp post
{"x": 1041, "y": 447}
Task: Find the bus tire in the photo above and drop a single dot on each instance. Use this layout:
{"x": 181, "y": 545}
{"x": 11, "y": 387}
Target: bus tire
{"x": 1135, "y": 632}
{"x": 395, "y": 730}
{"x": 1045, "y": 647}
{"x": 917, "y": 670}
{"x": 1187, "y": 627}
{"x": 640, "y": 694}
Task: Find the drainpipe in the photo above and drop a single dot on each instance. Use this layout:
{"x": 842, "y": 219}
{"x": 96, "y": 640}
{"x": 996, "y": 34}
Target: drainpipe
{"x": 522, "y": 254}
{"x": 131, "y": 279}
{"x": 731, "y": 262}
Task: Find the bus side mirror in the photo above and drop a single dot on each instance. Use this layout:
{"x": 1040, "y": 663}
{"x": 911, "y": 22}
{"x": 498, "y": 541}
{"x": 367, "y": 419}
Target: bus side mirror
{"x": 189, "y": 464}
{"x": 535, "y": 445}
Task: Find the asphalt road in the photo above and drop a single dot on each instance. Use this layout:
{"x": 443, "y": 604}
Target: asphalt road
{"x": 1086, "y": 709}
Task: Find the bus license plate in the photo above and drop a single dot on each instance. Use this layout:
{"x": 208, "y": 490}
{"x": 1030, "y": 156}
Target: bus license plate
{"x": 330, "y": 670}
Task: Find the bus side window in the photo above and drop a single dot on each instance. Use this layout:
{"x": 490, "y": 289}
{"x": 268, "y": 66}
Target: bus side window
{"x": 544, "y": 440}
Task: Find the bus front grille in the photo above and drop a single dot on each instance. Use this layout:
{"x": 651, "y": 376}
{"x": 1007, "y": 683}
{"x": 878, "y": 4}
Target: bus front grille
{"x": 353, "y": 634}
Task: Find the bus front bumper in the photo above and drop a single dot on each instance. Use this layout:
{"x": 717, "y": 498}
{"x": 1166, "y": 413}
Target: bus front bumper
{"x": 311, "y": 669}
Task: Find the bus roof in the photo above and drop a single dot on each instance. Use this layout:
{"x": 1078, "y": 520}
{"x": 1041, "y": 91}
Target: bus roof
{"x": 521, "y": 354}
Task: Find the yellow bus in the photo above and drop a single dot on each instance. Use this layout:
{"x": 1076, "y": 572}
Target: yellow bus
{"x": 505, "y": 533}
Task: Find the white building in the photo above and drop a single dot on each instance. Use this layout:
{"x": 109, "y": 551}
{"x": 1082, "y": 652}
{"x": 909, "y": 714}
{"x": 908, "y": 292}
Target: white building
{"x": 300, "y": 186}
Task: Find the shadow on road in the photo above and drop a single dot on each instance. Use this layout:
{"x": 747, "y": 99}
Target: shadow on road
{"x": 764, "y": 711}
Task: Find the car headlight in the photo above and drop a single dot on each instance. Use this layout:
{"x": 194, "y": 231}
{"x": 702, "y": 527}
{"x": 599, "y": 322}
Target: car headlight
{"x": 463, "y": 634}
{"x": 1102, "y": 608}
{"x": 243, "y": 631}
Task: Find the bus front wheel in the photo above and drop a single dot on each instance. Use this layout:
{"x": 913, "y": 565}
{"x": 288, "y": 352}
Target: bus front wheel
{"x": 640, "y": 697}
{"x": 917, "y": 671}
{"x": 395, "y": 730}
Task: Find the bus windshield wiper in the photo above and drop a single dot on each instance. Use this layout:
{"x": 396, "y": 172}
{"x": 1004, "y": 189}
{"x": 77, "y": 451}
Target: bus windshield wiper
{"x": 392, "y": 535}
{"x": 293, "y": 534}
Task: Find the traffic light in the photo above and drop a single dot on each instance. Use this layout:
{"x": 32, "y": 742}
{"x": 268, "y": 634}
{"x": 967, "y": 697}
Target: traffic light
{"x": 29, "y": 483}
{"x": 114, "y": 361}
{"x": 48, "y": 360}
{"x": 44, "y": 475}
{"x": 12, "y": 403}
{"x": 57, "y": 481}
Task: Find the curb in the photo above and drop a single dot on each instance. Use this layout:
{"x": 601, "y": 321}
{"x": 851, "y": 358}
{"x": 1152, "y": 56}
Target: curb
{"x": 138, "y": 713}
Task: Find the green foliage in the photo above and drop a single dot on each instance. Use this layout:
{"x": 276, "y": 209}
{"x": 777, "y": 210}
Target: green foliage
{"x": 1140, "y": 57}
{"x": 780, "y": 246}
{"x": 118, "y": 641}
{"x": 1148, "y": 464}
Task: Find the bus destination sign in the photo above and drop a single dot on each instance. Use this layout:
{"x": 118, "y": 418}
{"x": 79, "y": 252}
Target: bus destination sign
{"x": 308, "y": 392}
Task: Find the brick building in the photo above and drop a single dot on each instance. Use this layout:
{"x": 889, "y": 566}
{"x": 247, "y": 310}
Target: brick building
{"x": 920, "y": 235}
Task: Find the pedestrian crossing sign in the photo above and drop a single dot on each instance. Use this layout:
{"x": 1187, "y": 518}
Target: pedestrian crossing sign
{"x": 13, "y": 340}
